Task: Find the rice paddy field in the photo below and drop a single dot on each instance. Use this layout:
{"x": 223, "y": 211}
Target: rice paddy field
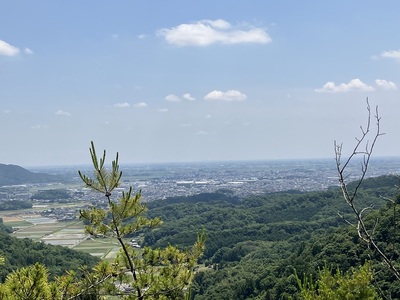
{"x": 69, "y": 234}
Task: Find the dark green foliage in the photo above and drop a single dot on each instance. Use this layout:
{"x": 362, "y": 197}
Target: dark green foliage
{"x": 52, "y": 195}
{"x": 254, "y": 245}
{"x": 384, "y": 182}
{"x": 220, "y": 195}
{"x": 14, "y": 205}
{"x": 24, "y": 252}
{"x": 4, "y": 228}
{"x": 272, "y": 217}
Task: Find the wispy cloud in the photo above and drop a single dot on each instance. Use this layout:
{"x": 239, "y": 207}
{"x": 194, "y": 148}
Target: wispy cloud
{"x": 228, "y": 96}
{"x": 207, "y": 32}
{"x": 175, "y": 98}
{"x": 172, "y": 98}
{"x": 385, "y": 85}
{"x": 189, "y": 97}
{"x": 163, "y": 110}
{"x": 62, "y": 113}
{"x": 353, "y": 85}
{"x": 7, "y": 49}
{"x": 28, "y": 51}
{"x": 122, "y": 105}
{"x": 395, "y": 54}
{"x": 140, "y": 105}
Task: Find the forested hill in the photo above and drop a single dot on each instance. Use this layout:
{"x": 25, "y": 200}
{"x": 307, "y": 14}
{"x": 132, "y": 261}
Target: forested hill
{"x": 20, "y": 253}
{"x": 254, "y": 245}
{"x": 12, "y": 174}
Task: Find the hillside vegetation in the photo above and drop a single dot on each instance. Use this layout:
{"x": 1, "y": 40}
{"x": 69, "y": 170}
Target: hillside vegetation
{"x": 255, "y": 245}
{"x": 13, "y": 175}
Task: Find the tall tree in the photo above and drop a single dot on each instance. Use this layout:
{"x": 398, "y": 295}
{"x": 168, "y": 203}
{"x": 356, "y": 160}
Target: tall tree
{"x": 137, "y": 274}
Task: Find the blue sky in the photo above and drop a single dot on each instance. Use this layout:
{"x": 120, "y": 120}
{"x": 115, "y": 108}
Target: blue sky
{"x": 177, "y": 81}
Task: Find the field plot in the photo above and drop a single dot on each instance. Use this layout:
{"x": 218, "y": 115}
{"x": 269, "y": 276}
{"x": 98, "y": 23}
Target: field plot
{"x": 68, "y": 234}
{"x": 101, "y": 247}
{"x": 29, "y": 223}
{"x": 14, "y": 219}
{"x": 68, "y": 237}
{"x": 37, "y": 219}
{"x": 17, "y": 224}
{"x": 51, "y": 233}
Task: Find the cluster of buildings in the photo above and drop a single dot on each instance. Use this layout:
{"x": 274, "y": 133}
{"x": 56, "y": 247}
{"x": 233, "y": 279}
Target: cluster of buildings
{"x": 241, "y": 179}
{"x": 61, "y": 213}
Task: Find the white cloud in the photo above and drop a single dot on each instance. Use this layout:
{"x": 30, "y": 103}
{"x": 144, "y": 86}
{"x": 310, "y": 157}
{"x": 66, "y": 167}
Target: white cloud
{"x": 7, "y": 49}
{"x": 142, "y": 36}
{"x": 172, "y": 98}
{"x": 115, "y": 36}
{"x": 395, "y": 54}
{"x": 208, "y": 116}
{"x": 122, "y": 105}
{"x": 218, "y": 24}
{"x": 386, "y": 85}
{"x": 7, "y": 111}
{"x": 28, "y": 51}
{"x": 229, "y": 96}
{"x": 207, "y": 32}
{"x": 62, "y": 113}
{"x": 353, "y": 85}
{"x": 163, "y": 110}
{"x": 189, "y": 97}
{"x": 140, "y": 105}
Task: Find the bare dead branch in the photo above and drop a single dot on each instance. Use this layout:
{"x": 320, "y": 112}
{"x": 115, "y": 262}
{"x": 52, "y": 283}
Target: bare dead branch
{"x": 362, "y": 142}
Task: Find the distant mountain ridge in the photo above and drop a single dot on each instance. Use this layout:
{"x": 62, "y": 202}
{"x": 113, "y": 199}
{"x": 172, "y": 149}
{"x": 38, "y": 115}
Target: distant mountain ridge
{"x": 13, "y": 174}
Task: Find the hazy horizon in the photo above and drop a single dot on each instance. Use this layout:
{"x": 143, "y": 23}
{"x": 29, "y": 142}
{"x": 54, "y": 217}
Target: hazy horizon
{"x": 181, "y": 163}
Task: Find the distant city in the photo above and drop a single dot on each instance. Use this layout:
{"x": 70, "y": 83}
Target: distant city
{"x": 242, "y": 178}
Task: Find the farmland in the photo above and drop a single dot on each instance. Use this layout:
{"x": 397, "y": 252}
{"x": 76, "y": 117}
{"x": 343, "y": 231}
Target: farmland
{"x": 71, "y": 234}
